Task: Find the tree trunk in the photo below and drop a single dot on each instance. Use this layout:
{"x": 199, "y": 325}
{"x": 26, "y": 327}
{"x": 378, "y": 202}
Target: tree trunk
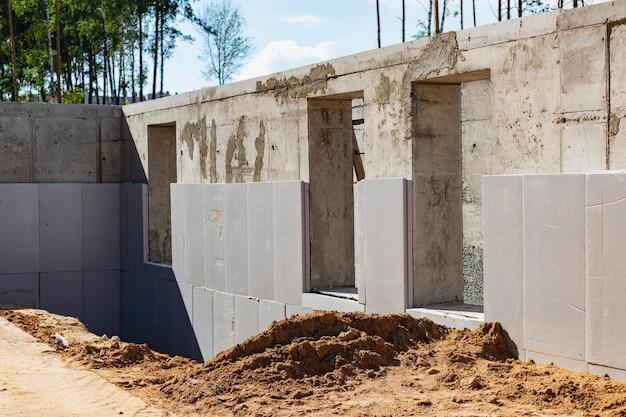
{"x": 50, "y": 59}
{"x": 105, "y": 79}
{"x": 461, "y": 11}
{"x": 474, "y": 11}
{"x": 15, "y": 91}
{"x": 161, "y": 36}
{"x": 90, "y": 78}
{"x": 430, "y": 17}
{"x": 436, "y": 7}
{"x": 519, "y": 8}
{"x": 403, "y": 20}
{"x": 141, "y": 75}
{"x": 132, "y": 66}
{"x": 57, "y": 18}
{"x": 499, "y": 10}
{"x": 508, "y": 9}
{"x": 156, "y": 48}
{"x": 378, "y": 20}
{"x": 443, "y": 14}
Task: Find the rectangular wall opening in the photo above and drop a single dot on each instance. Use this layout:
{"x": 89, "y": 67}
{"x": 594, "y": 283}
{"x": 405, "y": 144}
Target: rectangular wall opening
{"x": 437, "y": 194}
{"x": 161, "y": 173}
{"x": 452, "y": 146}
{"x": 334, "y": 165}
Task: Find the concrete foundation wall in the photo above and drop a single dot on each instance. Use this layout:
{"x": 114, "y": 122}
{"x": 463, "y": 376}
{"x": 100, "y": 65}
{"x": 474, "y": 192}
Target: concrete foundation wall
{"x": 541, "y": 94}
{"x": 61, "y": 143}
{"x": 60, "y": 250}
{"x": 554, "y": 268}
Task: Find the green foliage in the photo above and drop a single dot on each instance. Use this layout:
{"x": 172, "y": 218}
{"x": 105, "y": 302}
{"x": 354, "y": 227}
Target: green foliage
{"x": 98, "y": 44}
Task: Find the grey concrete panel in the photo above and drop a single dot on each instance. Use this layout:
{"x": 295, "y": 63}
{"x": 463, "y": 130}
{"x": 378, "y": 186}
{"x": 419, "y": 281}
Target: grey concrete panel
{"x": 554, "y": 264}
{"x": 270, "y": 311}
{"x": 296, "y": 310}
{"x": 61, "y": 227}
{"x": 289, "y": 244}
{"x": 223, "y": 321}
{"x": 174, "y": 311}
{"x": 177, "y": 194}
{"x": 386, "y": 245}
{"x": 246, "y": 317}
{"x": 203, "y": 320}
{"x": 359, "y": 239}
{"x": 235, "y": 238}
{"x": 329, "y": 303}
{"x": 101, "y": 232}
{"x": 123, "y": 228}
{"x": 194, "y": 234}
{"x": 261, "y": 240}
{"x": 137, "y": 221}
{"x": 503, "y": 255}
{"x": 19, "y": 290}
{"x": 102, "y": 302}
{"x": 213, "y": 211}
{"x": 62, "y": 293}
{"x": 19, "y": 228}
{"x": 129, "y": 306}
{"x": 17, "y": 149}
{"x": 606, "y": 269}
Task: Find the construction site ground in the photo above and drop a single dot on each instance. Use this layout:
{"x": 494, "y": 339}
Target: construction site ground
{"x": 344, "y": 364}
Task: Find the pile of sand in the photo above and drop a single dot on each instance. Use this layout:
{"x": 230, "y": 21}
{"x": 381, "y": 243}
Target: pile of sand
{"x": 349, "y": 364}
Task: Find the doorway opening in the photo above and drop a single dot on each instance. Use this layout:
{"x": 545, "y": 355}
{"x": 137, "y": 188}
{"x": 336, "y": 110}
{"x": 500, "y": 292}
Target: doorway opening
{"x": 161, "y": 173}
{"x": 335, "y": 127}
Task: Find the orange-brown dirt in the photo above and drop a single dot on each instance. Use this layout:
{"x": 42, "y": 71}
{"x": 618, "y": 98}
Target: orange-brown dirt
{"x": 348, "y": 364}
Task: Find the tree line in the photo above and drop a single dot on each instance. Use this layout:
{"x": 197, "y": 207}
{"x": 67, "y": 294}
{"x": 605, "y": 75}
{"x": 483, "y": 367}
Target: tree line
{"x": 85, "y": 50}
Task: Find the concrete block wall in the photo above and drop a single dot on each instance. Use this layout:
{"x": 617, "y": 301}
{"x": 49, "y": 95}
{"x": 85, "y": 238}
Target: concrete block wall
{"x": 61, "y": 143}
{"x": 60, "y": 250}
{"x": 554, "y": 267}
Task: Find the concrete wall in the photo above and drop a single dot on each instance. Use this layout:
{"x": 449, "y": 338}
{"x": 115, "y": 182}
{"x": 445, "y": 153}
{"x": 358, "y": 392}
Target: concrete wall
{"x": 64, "y": 143}
{"x": 527, "y": 105}
{"x": 554, "y": 269}
{"x": 60, "y": 250}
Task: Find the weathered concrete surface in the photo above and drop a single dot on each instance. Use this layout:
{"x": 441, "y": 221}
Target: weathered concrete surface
{"x": 64, "y": 143}
{"x": 529, "y": 104}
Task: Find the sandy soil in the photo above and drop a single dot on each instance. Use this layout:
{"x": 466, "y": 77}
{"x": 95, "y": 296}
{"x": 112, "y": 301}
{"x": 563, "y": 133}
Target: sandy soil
{"x": 346, "y": 364}
{"x": 35, "y": 381}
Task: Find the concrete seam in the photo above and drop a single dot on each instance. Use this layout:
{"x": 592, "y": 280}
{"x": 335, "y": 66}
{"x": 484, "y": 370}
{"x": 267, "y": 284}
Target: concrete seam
{"x": 523, "y": 212}
{"x": 607, "y": 70}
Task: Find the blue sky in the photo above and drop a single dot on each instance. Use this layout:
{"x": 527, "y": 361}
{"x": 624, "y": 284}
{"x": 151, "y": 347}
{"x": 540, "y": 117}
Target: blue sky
{"x": 291, "y": 33}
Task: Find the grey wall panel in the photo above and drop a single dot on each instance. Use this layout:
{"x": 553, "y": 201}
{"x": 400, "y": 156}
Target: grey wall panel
{"x": 137, "y": 221}
{"x": 194, "y": 234}
{"x": 19, "y": 290}
{"x": 359, "y": 239}
{"x": 554, "y": 264}
{"x": 223, "y": 321}
{"x": 61, "y": 227}
{"x": 386, "y": 251}
{"x": 260, "y": 240}
{"x": 503, "y": 254}
{"x": 235, "y": 238}
{"x": 289, "y": 245}
{"x": 101, "y": 232}
{"x": 102, "y": 301}
{"x": 177, "y": 195}
{"x": 123, "y": 229}
{"x": 296, "y": 310}
{"x": 19, "y": 228}
{"x": 213, "y": 212}
{"x": 62, "y": 293}
{"x": 246, "y": 317}
{"x": 270, "y": 311}
{"x": 606, "y": 269}
{"x": 203, "y": 320}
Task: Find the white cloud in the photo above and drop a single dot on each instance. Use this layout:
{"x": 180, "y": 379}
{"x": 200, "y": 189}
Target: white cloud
{"x": 308, "y": 21}
{"x": 285, "y": 54}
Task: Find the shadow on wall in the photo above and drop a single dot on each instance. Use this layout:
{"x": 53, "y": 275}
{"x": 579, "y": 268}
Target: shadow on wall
{"x": 155, "y": 308}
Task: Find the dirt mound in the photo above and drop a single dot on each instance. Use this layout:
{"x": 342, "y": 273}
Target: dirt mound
{"x": 349, "y": 364}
